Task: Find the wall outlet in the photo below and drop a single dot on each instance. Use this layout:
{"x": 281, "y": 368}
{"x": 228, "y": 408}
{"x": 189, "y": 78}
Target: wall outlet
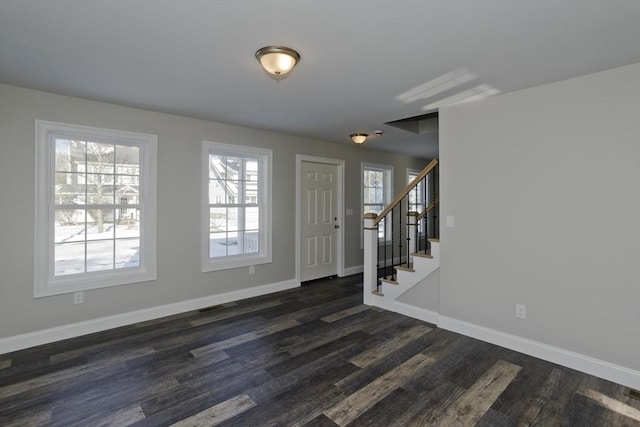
{"x": 450, "y": 221}
{"x": 78, "y": 297}
{"x": 521, "y": 311}
{"x": 252, "y": 269}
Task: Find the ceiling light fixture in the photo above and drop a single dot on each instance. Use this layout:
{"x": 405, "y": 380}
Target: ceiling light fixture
{"x": 277, "y": 60}
{"x": 359, "y": 138}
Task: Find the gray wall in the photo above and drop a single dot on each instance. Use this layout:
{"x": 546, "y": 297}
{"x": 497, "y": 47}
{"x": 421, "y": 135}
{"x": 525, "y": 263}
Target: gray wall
{"x": 179, "y": 150}
{"x": 544, "y": 185}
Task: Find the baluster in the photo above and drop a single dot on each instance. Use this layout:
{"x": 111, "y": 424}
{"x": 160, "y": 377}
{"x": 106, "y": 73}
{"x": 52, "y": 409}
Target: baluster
{"x": 436, "y": 195}
{"x": 433, "y": 198}
{"x": 417, "y": 236}
{"x": 428, "y": 216}
{"x": 400, "y": 233}
{"x": 420, "y": 228}
{"x": 409, "y": 237}
{"x": 423, "y": 223}
{"x": 384, "y": 243}
{"x": 378, "y": 263}
{"x": 393, "y": 271}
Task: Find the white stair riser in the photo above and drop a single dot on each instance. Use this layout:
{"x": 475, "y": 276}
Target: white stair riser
{"x": 425, "y": 265}
{"x": 407, "y": 279}
{"x": 435, "y": 249}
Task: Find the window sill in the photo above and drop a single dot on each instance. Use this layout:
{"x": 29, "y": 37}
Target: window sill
{"x": 89, "y": 281}
{"x": 212, "y": 264}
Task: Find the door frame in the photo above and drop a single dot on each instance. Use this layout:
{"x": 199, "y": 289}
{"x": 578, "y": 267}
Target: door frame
{"x": 339, "y": 209}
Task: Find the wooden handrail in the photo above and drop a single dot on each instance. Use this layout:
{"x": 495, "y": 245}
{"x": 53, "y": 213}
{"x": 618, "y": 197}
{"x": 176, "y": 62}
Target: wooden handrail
{"x": 406, "y": 190}
{"x": 428, "y": 209}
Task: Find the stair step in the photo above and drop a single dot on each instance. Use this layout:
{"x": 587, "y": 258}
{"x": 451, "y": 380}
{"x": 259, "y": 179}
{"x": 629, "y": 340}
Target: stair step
{"x": 422, "y": 255}
{"x": 434, "y": 240}
{"x": 389, "y": 281}
{"x": 404, "y": 268}
{"x": 380, "y": 294}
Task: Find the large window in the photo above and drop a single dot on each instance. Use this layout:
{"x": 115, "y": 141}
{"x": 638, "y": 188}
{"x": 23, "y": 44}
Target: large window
{"x": 377, "y": 185}
{"x": 236, "y": 203}
{"x": 95, "y": 208}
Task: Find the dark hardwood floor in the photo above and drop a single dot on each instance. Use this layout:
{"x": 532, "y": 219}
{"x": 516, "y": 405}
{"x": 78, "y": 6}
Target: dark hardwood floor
{"x": 313, "y": 356}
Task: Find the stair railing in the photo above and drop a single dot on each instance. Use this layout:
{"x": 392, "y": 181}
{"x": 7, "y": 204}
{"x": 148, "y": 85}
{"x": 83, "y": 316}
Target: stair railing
{"x": 405, "y": 230}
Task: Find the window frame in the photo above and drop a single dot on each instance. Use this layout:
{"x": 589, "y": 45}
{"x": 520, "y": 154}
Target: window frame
{"x": 264, "y": 202}
{"x": 388, "y": 190}
{"x": 415, "y": 173}
{"x": 45, "y": 281}
{"x": 411, "y": 175}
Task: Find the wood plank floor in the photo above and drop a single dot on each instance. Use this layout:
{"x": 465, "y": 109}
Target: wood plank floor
{"x": 313, "y": 356}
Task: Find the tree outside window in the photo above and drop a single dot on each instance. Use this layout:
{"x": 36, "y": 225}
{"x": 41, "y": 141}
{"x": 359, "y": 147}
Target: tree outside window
{"x": 97, "y": 214}
{"x": 95, "y": 210}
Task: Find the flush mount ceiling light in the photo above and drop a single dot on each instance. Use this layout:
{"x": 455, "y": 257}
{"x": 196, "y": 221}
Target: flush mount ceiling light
{"x": 277, "y": 60}
{"x": 359, "y": 138}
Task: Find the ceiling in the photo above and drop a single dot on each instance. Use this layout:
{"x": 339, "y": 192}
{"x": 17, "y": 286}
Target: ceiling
{"x": 364, "y": 62}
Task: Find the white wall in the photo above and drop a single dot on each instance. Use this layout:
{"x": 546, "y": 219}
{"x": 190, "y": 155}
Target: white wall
{"x": 424, "y": 294}
{"x": 544, "y": 184}
{"x": 179, "y": 148}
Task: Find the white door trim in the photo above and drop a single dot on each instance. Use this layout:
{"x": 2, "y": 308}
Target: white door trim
{"x": 339, "y": 211}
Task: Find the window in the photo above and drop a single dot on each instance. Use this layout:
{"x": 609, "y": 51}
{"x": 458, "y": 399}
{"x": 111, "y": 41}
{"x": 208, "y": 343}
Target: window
{"x": 377, "y": 185}
{"x": 95, "y": 208}
{"x": 236, "y": 217}
{"x": 417, "y": 195}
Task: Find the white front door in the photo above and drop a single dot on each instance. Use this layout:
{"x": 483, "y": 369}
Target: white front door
{"x": 319, "y": 220}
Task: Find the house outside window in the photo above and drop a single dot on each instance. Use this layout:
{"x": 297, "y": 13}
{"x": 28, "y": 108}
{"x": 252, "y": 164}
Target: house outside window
{"x": 95, "y": 208}
{"x": 236, "y": 206}
{"x": 417, "y": 195}
{"x": 377, "y": 187}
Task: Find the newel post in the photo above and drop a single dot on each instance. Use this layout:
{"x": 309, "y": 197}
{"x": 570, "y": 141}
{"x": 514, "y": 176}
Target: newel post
{"x": 370, "y": 279}
{"x": 412, "y": 222}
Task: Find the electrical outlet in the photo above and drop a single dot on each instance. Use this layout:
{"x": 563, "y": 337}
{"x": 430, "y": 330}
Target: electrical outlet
{"x": 78, "y": 297}
{"x": 521, "y": 311}
{"x": 252, "y": 269}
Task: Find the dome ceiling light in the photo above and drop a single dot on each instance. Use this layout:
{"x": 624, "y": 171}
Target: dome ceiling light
{"x": 359, "y": 138}
{"x": 277, "y": 61}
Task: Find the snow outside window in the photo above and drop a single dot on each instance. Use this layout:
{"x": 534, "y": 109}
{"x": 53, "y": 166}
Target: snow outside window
{"x": 377, "y": 185}
{"x": 417, "y": 195}
{"x": 95, "y": 208}
{"x": 236, "y": 206}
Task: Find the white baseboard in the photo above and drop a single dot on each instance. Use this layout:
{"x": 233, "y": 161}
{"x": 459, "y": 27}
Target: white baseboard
{"x": 45, "y": 336}
{"x": 592, "y": 366}
{"x": 599, "y": 368}
{"x": 353, "y": 270}
{"x": 405, "y": 309}
{"x": 579, "y": 362}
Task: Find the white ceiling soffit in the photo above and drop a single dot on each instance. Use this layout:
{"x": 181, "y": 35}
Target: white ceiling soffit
{"x": 363, "y": 62}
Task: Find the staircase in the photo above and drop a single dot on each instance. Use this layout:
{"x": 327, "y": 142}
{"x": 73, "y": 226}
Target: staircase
{"x": 407, "y": 277}
{"x": 402, "y": 250}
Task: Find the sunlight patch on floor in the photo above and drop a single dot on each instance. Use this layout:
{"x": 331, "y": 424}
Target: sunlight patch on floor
{"x": 612, "y": 404}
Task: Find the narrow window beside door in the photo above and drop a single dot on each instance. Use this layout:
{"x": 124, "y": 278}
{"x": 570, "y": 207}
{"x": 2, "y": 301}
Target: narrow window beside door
{"x": 418, "y": 196}
{"x": 377, "y": 185}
